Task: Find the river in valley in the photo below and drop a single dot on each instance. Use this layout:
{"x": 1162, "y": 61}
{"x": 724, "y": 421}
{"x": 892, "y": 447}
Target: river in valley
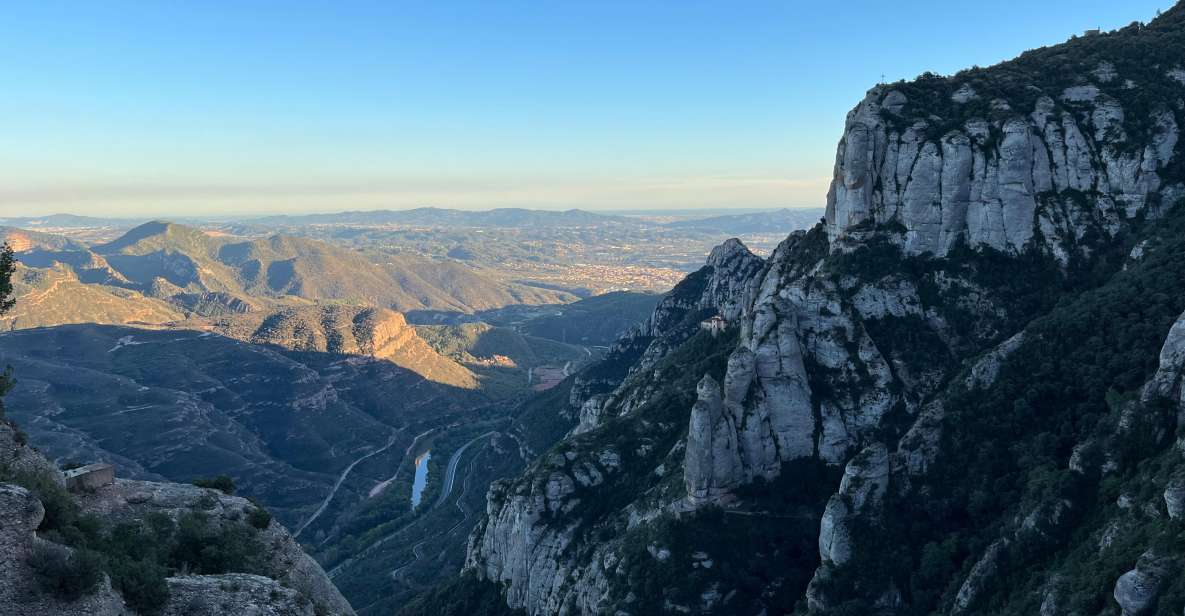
{"x": 421, "y": 480}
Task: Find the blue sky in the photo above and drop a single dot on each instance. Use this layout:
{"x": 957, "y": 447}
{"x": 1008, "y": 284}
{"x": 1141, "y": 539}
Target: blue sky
{"x": 159, "y": 108}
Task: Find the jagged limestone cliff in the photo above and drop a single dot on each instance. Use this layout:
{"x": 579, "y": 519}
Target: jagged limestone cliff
{"x": 1041, "y": 151}
{"x": 533, "y": 523}
{"x": 950, "y": 390}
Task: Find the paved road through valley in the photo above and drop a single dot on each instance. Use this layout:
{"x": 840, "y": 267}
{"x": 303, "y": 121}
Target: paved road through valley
{"x": 341, "y": 479}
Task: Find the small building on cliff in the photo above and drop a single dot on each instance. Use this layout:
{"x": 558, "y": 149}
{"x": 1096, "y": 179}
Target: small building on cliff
{"x": 90, "y": 477}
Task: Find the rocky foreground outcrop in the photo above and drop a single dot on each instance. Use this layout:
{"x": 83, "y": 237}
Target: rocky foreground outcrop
{"x": 22, "y": 513}
{"x": 291, "y": 583}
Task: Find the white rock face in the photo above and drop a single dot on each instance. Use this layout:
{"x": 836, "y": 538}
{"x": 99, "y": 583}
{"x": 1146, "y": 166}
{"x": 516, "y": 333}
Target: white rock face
{"x": 865, "y": 481}
{"x": 1105, "y": 72}
{"x": 897, "y": 298}
{"x": 726, "y": 274}
{"x": 233, "y": 593}
{"x": 964, "y": 94}
{"x": 984, "y": 372}
{"x": 776, "y": 423}
{"x": 522, "y": 543}
{"x": 1171, "y": 369}
{"x": 1136, "y": 591}
{"x": 918, "y": 448}
{"x": 733, "y": 265}
{"x": 767, "y": 414}
{"x": 981, "y": 575}
{"x": 995, "y": 183}
{"x": 590, "y": 413}
{"x": 1174, "y": 498}
{"x": 713, "y": 463}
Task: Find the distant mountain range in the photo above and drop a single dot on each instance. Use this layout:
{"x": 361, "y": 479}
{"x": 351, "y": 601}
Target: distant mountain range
{"x": 159, "y": 271}
{"x": 517, "y": 218}
{"x": 443, "y": 217}
{"x": 748, "y": 221}
{"x": 778, "y": 221}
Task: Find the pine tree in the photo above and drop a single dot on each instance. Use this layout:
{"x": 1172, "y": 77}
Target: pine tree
{"x": 7, "y": 268}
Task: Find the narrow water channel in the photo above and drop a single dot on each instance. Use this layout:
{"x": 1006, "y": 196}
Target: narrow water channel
{"x": 421, "y": 480}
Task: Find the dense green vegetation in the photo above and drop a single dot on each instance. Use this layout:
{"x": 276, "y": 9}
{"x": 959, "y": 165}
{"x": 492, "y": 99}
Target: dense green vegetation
{"x": 466, "y": 342}
{"x": 767, "y": 558}
{"x": 499, "y": 356}
{"x": 1023, "y": 285}
{"x": 597, "y": 320}
{"x": 64, "y": 573}
{"x": 259, "y": 516}
{"x": 541, "y": 420}
{"x": 222, "y": 483}
{"x": 658, "y": 423}
{"x": 1006, "y": 448}
{"x": 137, "y": 555}
{"x": 463, "y": 595}
{"x": 7, "y": 269}
{"x": 425, "y": 545}
{"x": 766, "y": 552}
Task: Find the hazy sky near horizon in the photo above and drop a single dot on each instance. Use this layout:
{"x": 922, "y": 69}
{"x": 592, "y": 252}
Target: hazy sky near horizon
{"x": 165, "y": 108}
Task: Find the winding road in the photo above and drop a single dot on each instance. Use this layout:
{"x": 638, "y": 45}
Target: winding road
{"x": 450, "y": 474}
{"x": 382, "y": 485}
{"x": 340, "y": 480}
{"x": 416, "y": 549}
{"x": 461, "y": 497}
{"x": 446, "y": 489}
